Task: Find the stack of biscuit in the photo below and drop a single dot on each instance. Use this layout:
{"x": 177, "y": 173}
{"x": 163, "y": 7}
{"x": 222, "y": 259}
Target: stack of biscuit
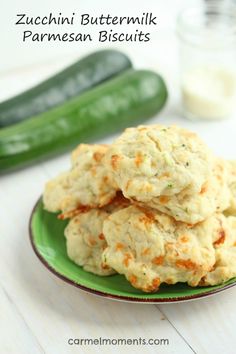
{"x": 156, "y": 206}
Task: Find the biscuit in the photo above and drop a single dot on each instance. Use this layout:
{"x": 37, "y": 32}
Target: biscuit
{"x": 88, "y": 183}
{"x": 151, "y": 248}
{"x": 231, "y": 210}
{"x": 225, "y": 250}
{"x": 152, "y": 161}
{"x": 192, "y": 208}
{"x": 85, "y": 241}
{"x": 85, "y": 238}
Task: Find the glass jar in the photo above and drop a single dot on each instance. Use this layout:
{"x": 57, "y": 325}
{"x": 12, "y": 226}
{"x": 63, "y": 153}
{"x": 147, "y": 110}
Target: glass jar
{"x": 207, "y": 36}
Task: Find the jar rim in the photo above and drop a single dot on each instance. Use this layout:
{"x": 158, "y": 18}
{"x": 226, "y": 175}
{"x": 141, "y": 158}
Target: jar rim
{"x": 195, "y": 22}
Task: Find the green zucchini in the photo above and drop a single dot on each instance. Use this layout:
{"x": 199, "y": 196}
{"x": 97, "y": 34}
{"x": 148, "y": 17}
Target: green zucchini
{"x": 72, "y": 81}
{"x": 123, "y": 101}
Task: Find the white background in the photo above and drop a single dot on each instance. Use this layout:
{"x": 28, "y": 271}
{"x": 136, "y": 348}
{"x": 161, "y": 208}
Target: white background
{"x": 39, "y": 313}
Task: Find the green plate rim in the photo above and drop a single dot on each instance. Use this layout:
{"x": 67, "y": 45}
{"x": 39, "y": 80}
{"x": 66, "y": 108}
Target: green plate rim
{"x": 108, "y": 295}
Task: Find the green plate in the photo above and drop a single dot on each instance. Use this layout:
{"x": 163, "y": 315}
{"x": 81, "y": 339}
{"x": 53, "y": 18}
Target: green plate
{"x": 48, "y": 241}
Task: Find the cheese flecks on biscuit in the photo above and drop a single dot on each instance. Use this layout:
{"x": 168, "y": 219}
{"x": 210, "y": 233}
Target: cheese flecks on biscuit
{"x": 88, "y": 183}
{"x": 151, "y": 248}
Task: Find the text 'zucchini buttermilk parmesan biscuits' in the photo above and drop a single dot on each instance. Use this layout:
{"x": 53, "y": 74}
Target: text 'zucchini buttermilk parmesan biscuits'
{"x": 88, "y": 183}
{"x": 155, "y": 206}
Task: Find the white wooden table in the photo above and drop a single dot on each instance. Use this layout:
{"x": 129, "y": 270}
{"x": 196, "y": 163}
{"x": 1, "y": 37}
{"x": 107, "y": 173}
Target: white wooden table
{"x": 39, "y": 313}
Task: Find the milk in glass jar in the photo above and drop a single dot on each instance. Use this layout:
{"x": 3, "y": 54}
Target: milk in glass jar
{"x": 207, "y": 36}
